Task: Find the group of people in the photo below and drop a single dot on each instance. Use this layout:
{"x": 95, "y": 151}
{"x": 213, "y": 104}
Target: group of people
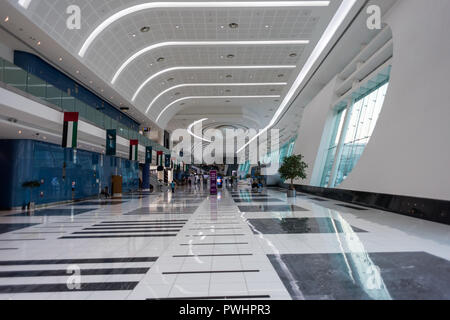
{"x": 257, "y": 185}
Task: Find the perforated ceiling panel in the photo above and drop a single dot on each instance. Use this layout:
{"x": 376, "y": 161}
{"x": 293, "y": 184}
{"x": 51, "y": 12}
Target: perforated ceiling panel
{"x": 123, "y": 38}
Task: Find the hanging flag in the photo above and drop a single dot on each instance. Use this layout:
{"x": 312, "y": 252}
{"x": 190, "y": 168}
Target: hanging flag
{"x": 70, "y": 130}
{"x": 111, "y": 142}
{"x": 148, "y": 155}
{"x": 134, "y": 144}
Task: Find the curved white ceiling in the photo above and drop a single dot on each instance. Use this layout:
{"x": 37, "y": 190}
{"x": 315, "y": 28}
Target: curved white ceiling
{"x": 200, "y": 43}
{"x": 210, "y": 4}
{"x": 329, "y": 33}
{"x": 212, "y": 85}
{"x": 212, "y": 97}
{"x": 204, "y": 68}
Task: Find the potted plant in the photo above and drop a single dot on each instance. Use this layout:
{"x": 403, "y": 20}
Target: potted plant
{"x": 31, "y": 185}
{"x": 293, "y": 168}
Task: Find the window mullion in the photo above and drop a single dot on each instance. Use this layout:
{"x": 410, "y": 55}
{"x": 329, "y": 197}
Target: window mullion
{"x": 340, "y": 146}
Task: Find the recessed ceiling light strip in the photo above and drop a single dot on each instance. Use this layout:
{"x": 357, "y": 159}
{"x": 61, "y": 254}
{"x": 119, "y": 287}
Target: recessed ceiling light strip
{"x": 212, "y": 97}
{"x": 200, "y": 43}
{"x": 330, "y": 31}
{"x": 207, "y": 4}
{"x": 250, "y": 67}
{"x": 213, "y": 85}
{"x": 24, "y": 3}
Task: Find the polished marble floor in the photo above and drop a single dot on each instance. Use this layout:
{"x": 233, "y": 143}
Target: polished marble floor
{"x": 237, "y": 245}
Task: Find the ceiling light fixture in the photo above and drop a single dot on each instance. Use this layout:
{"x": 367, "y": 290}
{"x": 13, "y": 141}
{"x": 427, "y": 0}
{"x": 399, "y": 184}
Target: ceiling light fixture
{"x": 337, "y": 20}
{"x": 154, "y": 76}
{"x": 293, "y": 55}
{"x": 192, "y": 125}
{"x": 160, "y": 59}
{"x": 213, "y": 85}
{"x": 6, "y": 19}
{"x": 210, "y": 97}
{"x": 233, "y": 25}
{"x": 145, "y": 29}
{"x": 201, "y": 43}
{"x": 210, "y": 4}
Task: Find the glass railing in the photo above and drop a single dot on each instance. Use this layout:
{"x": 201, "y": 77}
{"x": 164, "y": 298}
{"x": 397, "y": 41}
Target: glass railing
{"x": 18, "y": 78}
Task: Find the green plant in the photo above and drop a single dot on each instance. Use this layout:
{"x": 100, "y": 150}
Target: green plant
{"x": 31, "y": 185}
{"x": 293, "y": 168}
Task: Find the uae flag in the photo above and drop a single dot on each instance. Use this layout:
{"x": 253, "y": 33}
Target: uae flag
{"x": 70, "y": 131}
{"x": 134, "y": 150}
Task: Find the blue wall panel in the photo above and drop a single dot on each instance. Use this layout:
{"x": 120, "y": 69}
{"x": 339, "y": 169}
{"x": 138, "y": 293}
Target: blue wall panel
{"x": 46, "y": 72}
{"x": 28, "y": 160}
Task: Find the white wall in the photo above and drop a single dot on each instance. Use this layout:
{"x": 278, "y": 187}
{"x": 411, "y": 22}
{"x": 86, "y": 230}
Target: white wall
{"x": 409, "y": 153}
{"x": 316, "y": 117}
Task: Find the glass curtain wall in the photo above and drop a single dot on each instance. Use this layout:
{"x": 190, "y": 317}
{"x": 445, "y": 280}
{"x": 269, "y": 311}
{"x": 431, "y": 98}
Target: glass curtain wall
{"x": 363, "y": 118}
{"x": 353, "y": 126}
{"x": 338, "y": 124}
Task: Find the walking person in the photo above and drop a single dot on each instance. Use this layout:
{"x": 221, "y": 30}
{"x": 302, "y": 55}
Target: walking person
{"x": 172, "y": 185}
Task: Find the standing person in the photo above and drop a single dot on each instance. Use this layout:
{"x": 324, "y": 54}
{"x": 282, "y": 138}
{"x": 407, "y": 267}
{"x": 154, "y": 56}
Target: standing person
{"x": 172, "y": 185}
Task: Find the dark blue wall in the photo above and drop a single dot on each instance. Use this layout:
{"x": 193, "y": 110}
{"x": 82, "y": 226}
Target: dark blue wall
{"x": 28, "y": 160}
{"x": 46, "y": 72}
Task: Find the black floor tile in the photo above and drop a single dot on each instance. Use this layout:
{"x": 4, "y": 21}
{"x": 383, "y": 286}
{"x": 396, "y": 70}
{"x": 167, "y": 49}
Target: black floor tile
{"x": 62, "y": 273}
{"x": 269, "y": 208}
{"x": 318, "y": 199}
{"x": 257, "y": 200}
{"x": 297, "y": 226}
{"x": 10, "y": 227}
{"x": 54, "y": 212}
{"x": 362, "y": 276}
{"x": 99, "y": 203}
{"x": 352, "y": 207}
{"x": 164, "y": 210}
{"x": 36, "y": 288}
{"x": 77, "y": 261}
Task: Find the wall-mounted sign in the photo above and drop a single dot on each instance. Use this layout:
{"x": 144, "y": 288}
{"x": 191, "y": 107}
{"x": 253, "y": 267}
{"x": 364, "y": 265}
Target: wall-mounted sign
{"x": 148, "y": 155}
{"x": 167, "y": 161}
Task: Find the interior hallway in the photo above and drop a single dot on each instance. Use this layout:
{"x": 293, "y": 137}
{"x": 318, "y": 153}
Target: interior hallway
{"x": 238, "y": 244}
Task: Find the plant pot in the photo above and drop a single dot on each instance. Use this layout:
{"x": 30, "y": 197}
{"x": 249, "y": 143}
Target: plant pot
{"x": 291, "y": 193}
